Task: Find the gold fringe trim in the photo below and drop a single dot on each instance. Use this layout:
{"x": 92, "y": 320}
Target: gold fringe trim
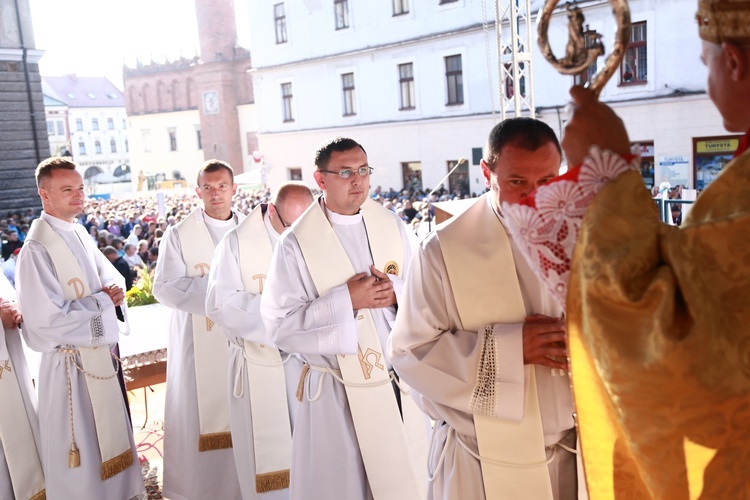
{"x": 42, "y": 495}
{"x": 301, "y": 385}
{"x": 216, "y": 441}
{"x": 271, "y": 481}
{"x": 114, "y": 466}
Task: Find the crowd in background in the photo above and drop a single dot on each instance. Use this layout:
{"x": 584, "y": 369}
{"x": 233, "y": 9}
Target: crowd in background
{"x": 128, "y": 229}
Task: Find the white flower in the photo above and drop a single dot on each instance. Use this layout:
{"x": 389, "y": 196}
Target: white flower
{"x": 559, "y": 200}
{"x": 600, "y": 167}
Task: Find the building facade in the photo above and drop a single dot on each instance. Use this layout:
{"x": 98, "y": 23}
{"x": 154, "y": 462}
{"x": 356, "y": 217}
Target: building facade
{"x": 416, "y": 82}
{"x": 184, "y": 112}
{"x": 23, "y": 135}
{"x": 86, "y": 120}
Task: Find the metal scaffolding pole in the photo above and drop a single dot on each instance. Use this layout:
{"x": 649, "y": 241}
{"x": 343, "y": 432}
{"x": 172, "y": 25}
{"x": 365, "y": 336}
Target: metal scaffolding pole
{"x": 516, "y": 86}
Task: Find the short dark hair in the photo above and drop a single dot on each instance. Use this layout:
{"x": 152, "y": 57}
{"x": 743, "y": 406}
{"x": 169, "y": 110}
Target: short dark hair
{"x": 109, "y": 250}
{"x": 339, "y": 144}
{"x": 45, "y": 168}
{"x": 525, "y": 133}
{"x": 214, "y": 166}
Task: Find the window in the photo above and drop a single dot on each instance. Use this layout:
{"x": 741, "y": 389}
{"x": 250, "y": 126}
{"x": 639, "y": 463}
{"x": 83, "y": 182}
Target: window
{"x": 279, "y": 20}
{"x": 442, "y": 2}
{"x": 341, "y": 8}
{"x": 126, "y": 146}
{"x": 110, "y": 123}
{"x": 347, "y": 84}
{"x": 98, "y": 147}
{"x": 295, "y": 174}
{"x": 509, "y": 92}
{"x": 286, "y": 102}
{"x": 458, "y": 181}
{"x": 50, "y": 128}
{"x": 411, "y": 172}
{"x": 95, "y": 124}
{"x": 591, "y": 39}
{"x": 172, "y": 139}
{"x": 112, "y": 146}
{"x": 454, "y": 80}
{"x": 124, "y": 124}
{"x": 81, "y": 148}
{"x": 79, "y": 124}
{"x": 198, "y": 138}
{"x": 60, "y": 128}
{"x": 634, "y": 68}
{"x": 406, "y": 83}
{"x": 400, "y": 7}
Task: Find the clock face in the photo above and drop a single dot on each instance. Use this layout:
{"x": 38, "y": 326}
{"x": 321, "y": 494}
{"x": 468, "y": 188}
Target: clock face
{"x": 210, "y": 102}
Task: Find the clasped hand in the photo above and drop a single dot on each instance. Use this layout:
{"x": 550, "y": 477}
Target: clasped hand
{"x": 10, "y": 314}
{"x": 115, "y": 293}
{"x": 371, "y": 292}
{"x": 544, "y": 342}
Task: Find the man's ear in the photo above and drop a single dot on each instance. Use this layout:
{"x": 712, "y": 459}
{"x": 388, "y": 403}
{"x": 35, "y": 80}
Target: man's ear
{"x": 318, "y": 175}
{"x": 486, "y": 173}
{"x": 736, "y": 60}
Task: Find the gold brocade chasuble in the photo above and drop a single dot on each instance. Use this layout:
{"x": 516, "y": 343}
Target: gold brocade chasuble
{"x": 211, "y": 347}
{"x": 482, "y": 272}
{"x": 266, "y": 381}
{"x": 385, "y": 438}
{"x": 659, "y": 327}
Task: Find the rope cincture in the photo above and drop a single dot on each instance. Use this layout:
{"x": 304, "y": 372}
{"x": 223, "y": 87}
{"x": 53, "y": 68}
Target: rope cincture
{"x": 74, "y": 455}
{"x": 304, "y": 382}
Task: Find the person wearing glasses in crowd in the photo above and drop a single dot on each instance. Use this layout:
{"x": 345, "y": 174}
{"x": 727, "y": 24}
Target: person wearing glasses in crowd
{"x": 198, "y": 460}
{"x": 263, "y": 381}
{"x": 331, "y": 297}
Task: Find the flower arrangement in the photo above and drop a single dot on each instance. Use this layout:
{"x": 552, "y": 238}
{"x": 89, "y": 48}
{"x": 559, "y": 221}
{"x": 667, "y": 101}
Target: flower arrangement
{"x": 141, "y": 293}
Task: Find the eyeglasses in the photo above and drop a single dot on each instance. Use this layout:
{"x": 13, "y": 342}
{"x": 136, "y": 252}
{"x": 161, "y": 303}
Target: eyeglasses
{"x": 347, "y": 172}
{"x": 278, "y": 214}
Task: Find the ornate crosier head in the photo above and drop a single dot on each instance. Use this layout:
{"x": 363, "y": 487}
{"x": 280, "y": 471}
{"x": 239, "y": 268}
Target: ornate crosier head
{"x": 578, "y": 57}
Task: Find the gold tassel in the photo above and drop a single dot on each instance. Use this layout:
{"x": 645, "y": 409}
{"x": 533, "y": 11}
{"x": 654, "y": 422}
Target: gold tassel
{"x": 74, "y": 458}
{"x": 216, "y": 441}
{"x": 301, "y": 385}
{"x": 271, "y": 481}
{"x": 42, "y": 495}
{"x": 114, "y": 466}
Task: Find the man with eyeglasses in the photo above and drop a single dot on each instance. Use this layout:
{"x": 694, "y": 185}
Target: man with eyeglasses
{"x": 263, "y": 380}
{"x": 198, "y": 461}
{"x": 331, "y": 297}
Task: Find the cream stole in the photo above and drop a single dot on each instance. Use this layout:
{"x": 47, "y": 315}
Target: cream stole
{"x": 272, "y": 431}
{"x": 210, "y": 346}
{"x": 483, "y": 276}
{"x": 112, "y": 428}
{"x": 380, "y": 431}
{"x": 16, "y": 436}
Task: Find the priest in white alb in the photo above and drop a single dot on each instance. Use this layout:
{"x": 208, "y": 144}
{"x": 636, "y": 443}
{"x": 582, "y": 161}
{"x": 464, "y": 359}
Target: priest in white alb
{"x": 198, "y": 459}
{"x": 483, "y": 342}
{"x": 262, "y": 380}
{"x": 76, "y": 296}
{"x": 330, "y": 298}
{"x": 21, "y": 474}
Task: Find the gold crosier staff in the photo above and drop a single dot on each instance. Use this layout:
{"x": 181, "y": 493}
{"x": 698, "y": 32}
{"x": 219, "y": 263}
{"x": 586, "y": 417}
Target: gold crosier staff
{"x": 577, "y": 56}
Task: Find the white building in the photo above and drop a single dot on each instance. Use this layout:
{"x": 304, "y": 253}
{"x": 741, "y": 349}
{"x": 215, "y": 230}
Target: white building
{"x": 416, "y": 82}
{"x": 86, "y": 117}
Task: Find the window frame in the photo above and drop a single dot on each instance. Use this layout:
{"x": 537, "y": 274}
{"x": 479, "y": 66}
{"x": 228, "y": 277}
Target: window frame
{"x": 279, "y": 22}
{"x": 455, "y": 76}
{"x": 406, "y": 83}
{"x": 400, "y": 7}
{"x": 634, "y": 64}
{"x": 172, "y": 139}
{"x": 95, "y": 124}
{"x": 112, "y": 145}
{"x": 348, "y": 94}
{"x": 287, "y": 102}
{"x": 341, "y": 19}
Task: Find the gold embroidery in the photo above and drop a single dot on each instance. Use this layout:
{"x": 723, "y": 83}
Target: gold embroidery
{"x": 367, "y": 367}
{"x": 6, "y": 367}
{"x": 204, "y": 268}
{"x": 391, "y": 267}
{"x": 261, "y": 278}
{"x": 78, "y": 287}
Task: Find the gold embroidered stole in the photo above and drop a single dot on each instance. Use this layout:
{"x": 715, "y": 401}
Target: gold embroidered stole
{"x": 482, "y": 273}
{"x": 210, "y": 346}
{"x": 16, "y": 436}
{"x": 112, "y": 428}
{"x": 272, "y": 431}
{"x": 380, "y": 430}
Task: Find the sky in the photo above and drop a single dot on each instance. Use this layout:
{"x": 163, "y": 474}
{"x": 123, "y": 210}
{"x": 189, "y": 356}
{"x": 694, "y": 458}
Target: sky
{"x": 95, "y": 37}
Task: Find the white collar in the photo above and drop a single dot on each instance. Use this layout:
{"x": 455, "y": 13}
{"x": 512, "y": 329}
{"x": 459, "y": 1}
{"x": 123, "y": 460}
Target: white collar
{"x": 58, "y": 223}
{"x": 218, "y": 223}
{"x": 342, "y": 220}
